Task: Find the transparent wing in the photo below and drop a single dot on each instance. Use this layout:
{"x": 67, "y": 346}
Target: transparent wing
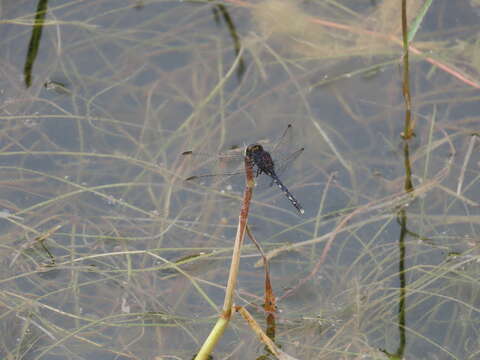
{"x": 201, "y": 177}
{"x": 284, "y": 139}
{"x": 231, "y": 155}
{"x": 214, "y": 167}
{"x": 281, "y": 164}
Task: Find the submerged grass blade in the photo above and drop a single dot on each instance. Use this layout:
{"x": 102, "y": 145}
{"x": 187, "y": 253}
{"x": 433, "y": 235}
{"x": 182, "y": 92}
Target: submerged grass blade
{"x": 415, "y": 25}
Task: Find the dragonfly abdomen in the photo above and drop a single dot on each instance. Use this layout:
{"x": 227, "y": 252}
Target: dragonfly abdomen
{"x": 288, "y": 194}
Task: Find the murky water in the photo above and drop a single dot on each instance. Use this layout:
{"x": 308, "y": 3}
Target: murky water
{"x": 107, "y": 252}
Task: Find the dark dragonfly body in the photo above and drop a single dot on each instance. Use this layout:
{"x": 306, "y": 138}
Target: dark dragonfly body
{"x": 263, "y": 163}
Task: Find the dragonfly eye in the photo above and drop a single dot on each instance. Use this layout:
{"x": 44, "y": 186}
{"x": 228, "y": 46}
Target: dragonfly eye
{"x": 254, "y": 148}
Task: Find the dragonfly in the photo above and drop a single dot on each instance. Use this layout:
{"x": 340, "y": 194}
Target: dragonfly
{"x": 260, "y": 159}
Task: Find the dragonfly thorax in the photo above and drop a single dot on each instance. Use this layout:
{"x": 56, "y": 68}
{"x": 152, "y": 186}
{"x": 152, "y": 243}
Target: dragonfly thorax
{"x": 261, "y": 159}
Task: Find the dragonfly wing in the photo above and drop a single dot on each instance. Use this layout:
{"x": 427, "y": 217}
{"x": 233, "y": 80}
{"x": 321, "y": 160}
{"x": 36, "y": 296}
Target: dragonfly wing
{"x": 230, "y": 154}
{"x": 282, "y": 164}
{"x": 213, "y": 168}
{"x": 213, "y": 176}
{"x": 284, "y": 139}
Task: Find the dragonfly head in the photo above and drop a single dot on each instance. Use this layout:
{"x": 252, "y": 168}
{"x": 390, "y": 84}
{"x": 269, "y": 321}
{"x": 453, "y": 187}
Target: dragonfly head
{"x": 253, "y": 148}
